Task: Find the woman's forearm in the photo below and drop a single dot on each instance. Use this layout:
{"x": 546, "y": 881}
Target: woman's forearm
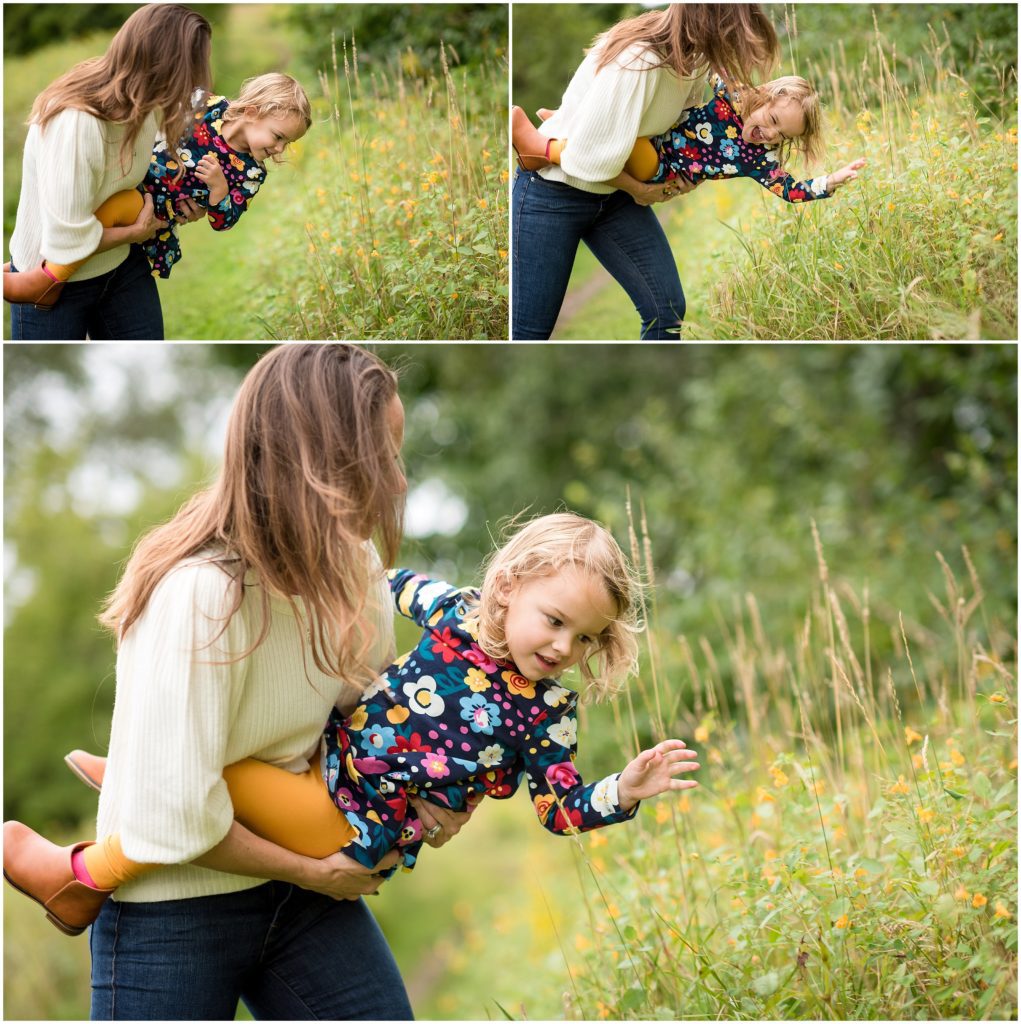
{"x": 113, "y": 237}
{"x": 242, "y": 852}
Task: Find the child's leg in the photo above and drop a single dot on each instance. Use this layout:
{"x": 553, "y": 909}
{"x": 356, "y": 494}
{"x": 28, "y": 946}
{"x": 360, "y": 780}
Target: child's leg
{"x": 293, "y": 811}
{"x": 643, "y": 163}
{"x": 120, "y": 210}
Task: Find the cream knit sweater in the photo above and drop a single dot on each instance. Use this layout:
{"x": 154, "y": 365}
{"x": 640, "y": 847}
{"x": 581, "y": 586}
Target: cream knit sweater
{"x": 183, "y": 711}
{"x": 69, "y": 170}
{"x": 602, "y": 113}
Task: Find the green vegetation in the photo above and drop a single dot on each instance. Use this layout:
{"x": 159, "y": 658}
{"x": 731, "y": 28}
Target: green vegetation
{"x": 389, "y": 219}
{"x": 923, "y": 245}
{"x": 729, "y": 453}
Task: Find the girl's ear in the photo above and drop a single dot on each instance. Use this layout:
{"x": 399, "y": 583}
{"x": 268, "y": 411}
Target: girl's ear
{"x": 503, "y": 587}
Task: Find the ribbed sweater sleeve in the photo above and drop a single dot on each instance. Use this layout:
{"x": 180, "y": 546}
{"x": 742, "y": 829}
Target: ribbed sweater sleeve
{"x": 606, "y": 124}
{"x": 175, "y": 802}
{"x": 73, "y": 151}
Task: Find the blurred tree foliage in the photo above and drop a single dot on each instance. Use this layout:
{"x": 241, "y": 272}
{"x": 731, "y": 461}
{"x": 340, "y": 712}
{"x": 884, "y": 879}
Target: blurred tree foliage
{"x": 470, "y": 33}
{"x": 550, "y": 39}
{"x": 27, "y": 27}
{"x": 895, "y": 451}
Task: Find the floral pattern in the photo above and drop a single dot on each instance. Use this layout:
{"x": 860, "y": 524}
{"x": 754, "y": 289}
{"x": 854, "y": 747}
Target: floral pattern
{"x": 243, "y": 172}
{"x": 706, "y": 144}
{"x": 429, "y": 727}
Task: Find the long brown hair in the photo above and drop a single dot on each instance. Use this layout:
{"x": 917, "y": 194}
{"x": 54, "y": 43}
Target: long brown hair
{"x": 310, "y": 470}
{"x": 691, "y": 38}
{"x": 155, "y": 62}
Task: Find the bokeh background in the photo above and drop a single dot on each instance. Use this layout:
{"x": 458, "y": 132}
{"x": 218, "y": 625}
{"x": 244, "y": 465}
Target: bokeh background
{"x": 392, "y": 195}
{"x": 923, "y": 245}
{"x": 900, "y": 455}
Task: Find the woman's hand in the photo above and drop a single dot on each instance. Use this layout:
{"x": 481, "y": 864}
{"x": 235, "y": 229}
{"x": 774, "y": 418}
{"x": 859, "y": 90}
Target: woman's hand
{"x": 187, "y": 210}
{"x": 449, "y": 822}
{"x": 146, "y": 223}
{"x": 645, "y": 194}
{"x": 208, "y": 170}
{"x": 342, "y": 878}
{"x": 844, "y": 175}
{"x": 652, "y": 772}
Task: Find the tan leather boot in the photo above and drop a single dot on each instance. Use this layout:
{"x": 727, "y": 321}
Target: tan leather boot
{"x": 90, "y": 768}
{"x": 42, "y": 871}
{"x": 35, "y": 286}
{"x": 529, "y": 143}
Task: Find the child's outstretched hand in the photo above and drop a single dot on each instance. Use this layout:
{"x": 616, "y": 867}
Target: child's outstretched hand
{"x": 844, "y": 175}
{"x": 652, "y": 772}
{"x": 209, "y": 170}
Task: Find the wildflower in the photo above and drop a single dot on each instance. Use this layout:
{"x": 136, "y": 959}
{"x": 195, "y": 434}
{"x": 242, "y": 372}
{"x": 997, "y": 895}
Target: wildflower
{"x": 957, "y": 757}
{"x": 900, "y": 786}
{"x": 842, "y": 922}
{"x": 504, "y": 175}
{"x": 763, "y": 796}
{"x": 891, "y": 207}
{"x": 952, "y": 194}
{"x": 1001, "y": 911}
{"x": 582, "y": 942}
{"x": 325, "y": 235}
{"x": 453, "y": 295}
{"x": 662, "y": 813}
{"x": 769, "y": 855}
{"x": 910, "y": 736}
{"x": 924, "y": 813}
{"x": 482, "y": 203}
{"x": 502, "y": 253}
{"x": 684, "y": 804}
{"x": 779, "y": 778}
{"x": 701, "y": 734}
{"x": 958, "y": 851}
{"x": 961, "y": 894}
{"x": 998, "y": 698}
{"x": 998, "y": 237}
{"x": 978, "y": 900}
{"x": 838, "y": 266}
{"x": 596, "y": 838}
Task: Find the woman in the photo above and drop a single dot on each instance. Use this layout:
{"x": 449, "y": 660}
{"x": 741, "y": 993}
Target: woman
{"x": 634, "y": 82}
{"x": 240, "y": 623}
{"x": 91, "y": 134}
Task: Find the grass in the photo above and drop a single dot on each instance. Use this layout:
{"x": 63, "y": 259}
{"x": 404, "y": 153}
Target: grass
{"x": 851, "y": 853}
{"x": 923, "y": 246}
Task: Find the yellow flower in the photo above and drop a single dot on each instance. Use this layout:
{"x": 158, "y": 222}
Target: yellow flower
{"x": 453, "y": 295}
{"x": 961, "y": 894}
{"x": 731, "y": 132}
{"x": 978, "y": 900}
{"x": 900, "y": 786}
{"x": 596, "y": 839}
{"x": 842, "y": 922}
{"x": 838, "y": 266}
{"x": 504, "y": 176}
{"x": 957, "y": 757}
{"x": 998, "y": 698}
{"x": 477, "y": 680}
{"x": 482, "y": 203}
{"x": 910, "y": 735}
{"x": 684, "y": 804}
{"x": 998, "y": 237}
{"x": 1001, "y": 911}
{"x": 891, "y": 207}
{"x": 924, "y": 813}
{"x": 779, "y": 778}
{"x": 662, "y": 813}
{"x": 763, "y": 796}
{"x": 502, "y": 253}
{"x": 701, "y": 734}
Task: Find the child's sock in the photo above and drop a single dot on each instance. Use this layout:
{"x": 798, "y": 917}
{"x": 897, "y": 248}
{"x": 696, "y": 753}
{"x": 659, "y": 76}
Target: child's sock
{"x": 554, "y": 148}
{"x": 81, "y": 872}
{"x": 106, "y": 865}
{"x": 120, "y": 210}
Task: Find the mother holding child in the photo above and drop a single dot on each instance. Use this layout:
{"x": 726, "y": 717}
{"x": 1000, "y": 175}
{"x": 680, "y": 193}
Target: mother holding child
{"x": 254, "y": 737}
{"x": 630, "y": 132}
{"x": 120, "y": 150}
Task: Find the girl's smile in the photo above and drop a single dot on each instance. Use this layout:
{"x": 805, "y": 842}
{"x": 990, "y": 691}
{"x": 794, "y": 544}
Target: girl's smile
{"x": 264, "y": 137}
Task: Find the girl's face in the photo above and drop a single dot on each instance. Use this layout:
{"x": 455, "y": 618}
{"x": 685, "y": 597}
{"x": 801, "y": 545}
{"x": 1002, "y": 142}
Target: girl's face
{"x": 552, "y": 622}
{"x": 264, "y": 137}
{"x": 774, "y": 122}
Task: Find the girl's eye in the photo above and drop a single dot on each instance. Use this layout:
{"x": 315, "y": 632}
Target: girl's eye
{"x": 554, "y": 621}
{"x": 586, "y": 640}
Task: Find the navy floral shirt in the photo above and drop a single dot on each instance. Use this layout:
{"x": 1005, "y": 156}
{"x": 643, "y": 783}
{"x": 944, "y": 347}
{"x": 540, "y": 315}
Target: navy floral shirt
{"x": 706, "y": 144}
{"x": 243, "y": 172}
{"x": 446, "y": 721}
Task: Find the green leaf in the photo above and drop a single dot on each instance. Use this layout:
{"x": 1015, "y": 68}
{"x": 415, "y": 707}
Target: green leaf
{"x": 981, "y": 786}
{"x": 766, "y": 984}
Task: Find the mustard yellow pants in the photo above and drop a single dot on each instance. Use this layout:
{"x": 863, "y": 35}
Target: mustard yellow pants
{"x": 293, "y": 811}
{"x": 120, "y": 210}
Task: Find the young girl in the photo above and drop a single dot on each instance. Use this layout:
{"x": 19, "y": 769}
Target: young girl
{"x": 219, "y": 165}
{"x": 716, "y": 142}
{"x": 473, "y": 710}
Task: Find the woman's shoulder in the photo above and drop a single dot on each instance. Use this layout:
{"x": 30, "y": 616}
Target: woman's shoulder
{"x": 209, "y": 576}
{"x": 79, "y": 124}
{"x": 637, "y": 56}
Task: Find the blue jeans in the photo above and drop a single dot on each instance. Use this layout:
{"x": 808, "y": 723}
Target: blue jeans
{"x": 121, "y": 305}
{"x": 290, "y": 954}
{"x": 551, "y": 218}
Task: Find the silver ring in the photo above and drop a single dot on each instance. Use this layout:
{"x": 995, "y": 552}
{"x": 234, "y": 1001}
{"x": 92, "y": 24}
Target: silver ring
{"x": 432, "y": 833}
